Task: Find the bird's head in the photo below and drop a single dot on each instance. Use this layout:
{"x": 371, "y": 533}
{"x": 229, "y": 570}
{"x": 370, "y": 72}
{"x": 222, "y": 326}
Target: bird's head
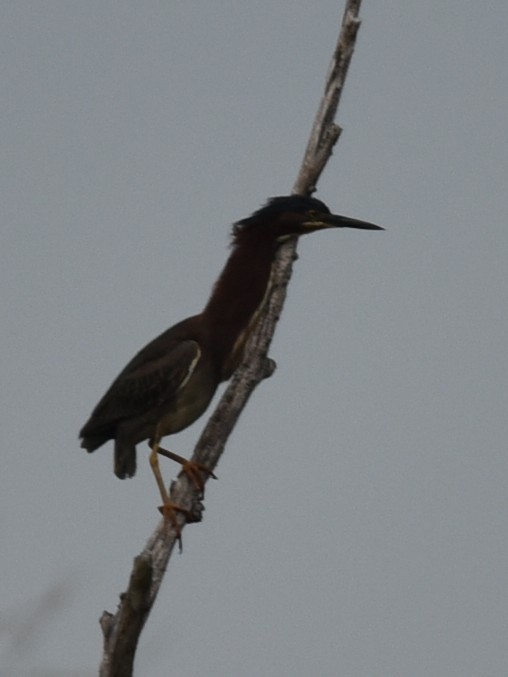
{"x": 293, "y": 215}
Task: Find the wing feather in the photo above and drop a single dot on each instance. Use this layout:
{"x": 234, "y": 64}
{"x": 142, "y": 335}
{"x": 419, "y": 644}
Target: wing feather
{"x": 151, "y": 378}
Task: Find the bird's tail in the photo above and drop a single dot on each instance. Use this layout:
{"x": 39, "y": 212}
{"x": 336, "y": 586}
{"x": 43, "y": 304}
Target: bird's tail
{"x": 125, "y": 459}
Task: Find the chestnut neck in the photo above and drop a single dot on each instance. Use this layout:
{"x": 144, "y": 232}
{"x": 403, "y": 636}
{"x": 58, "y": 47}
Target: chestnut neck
{"x": 239, "y": 291}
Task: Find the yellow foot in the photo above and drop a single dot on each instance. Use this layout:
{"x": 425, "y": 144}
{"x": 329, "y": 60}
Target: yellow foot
{"x": 195, "y": 472}
{"x": 193, "y": 469}
{"x": 169, "y": 511}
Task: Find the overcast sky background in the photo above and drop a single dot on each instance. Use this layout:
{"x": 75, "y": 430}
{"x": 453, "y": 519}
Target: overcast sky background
{"x": 359, "y": 525}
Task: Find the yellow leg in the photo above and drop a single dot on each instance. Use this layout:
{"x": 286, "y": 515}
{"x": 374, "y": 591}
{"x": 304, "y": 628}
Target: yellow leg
{"x": 192, "y": 469}
{"x": 154, "y": 464}
{"x": 168, "y": 509}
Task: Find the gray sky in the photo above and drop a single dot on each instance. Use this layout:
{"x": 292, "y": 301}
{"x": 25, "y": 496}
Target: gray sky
{"x": 359, "y": 525}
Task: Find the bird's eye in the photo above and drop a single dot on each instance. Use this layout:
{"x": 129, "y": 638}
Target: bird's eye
{"x": 312, "y": 214}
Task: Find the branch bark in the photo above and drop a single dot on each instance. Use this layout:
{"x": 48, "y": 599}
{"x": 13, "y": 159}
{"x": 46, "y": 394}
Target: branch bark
{"x": 121, "y": 630}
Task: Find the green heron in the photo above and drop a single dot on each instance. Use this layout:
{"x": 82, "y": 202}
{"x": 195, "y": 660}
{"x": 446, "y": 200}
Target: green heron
{"x": 171, "y": 381}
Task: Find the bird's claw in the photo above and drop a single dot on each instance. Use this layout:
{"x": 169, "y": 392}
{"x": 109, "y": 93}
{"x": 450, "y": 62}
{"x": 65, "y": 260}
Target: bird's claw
{"x": 169, "y": 512}
{"x": 195, "y": 471}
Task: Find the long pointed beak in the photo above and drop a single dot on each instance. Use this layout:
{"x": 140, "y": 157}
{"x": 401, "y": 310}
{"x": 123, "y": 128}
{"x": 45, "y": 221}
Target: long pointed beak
{"x": 336, "y": 221}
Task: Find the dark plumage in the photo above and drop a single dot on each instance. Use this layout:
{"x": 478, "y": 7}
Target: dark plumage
{"x": 171, "y": 381}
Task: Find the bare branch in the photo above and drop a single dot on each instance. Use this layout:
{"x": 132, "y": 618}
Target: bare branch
{"x": 122, "y": 630}
{"x": 325, "y": 132}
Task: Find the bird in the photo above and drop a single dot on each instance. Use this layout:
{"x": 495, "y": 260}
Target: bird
{"x": 170, "y": 382}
